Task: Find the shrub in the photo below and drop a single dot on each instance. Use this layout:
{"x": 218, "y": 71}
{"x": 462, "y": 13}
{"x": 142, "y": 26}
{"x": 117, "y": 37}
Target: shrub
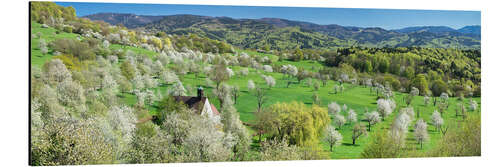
{"x": 461, "y": 141}
{"x": 381, "y": 146}
{"x": 68, "y": 29}
{"x": 127, "y": 70}
{"x": 81, "y": 50}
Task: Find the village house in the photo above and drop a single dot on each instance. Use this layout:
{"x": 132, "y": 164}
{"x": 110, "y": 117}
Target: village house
{"x": 200, "y": 104}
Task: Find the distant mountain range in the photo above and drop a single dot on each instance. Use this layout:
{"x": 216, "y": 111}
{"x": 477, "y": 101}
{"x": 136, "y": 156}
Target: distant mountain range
{"x": 288, "y": 34}
{"x": 127, "y": 20}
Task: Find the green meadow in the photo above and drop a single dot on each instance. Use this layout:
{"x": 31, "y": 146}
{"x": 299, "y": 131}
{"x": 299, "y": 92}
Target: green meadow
{"x": 355, "y": 97}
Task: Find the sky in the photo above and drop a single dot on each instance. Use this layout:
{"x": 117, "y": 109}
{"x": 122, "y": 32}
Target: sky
{"x": 383, "y": 18}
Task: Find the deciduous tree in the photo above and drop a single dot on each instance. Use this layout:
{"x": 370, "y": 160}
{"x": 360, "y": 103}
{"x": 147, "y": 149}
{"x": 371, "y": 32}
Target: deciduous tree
{"x": 339, "y": 120}
{"x": 372, "y": 118}
{"x": 352, "y": 116}
{"x": 177, "y": 89}
{"x": 421, "y": 134}
{"x": 250, "y": 85}
{"x": 332, "y": 137}
{"x": 357, "y": 131}
{"x": 437, "y": 121}
{"x": 334, "y": 108}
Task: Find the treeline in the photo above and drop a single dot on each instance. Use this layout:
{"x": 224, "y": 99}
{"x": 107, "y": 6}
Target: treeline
{"x": 459, "y": 70}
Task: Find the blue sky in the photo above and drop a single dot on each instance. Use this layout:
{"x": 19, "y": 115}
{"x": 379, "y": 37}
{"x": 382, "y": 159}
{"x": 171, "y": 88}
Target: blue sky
{"x": 384, "y": 18}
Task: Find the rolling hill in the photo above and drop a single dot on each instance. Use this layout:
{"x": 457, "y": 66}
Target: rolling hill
{"x": 128, "y": 20}
{"x": 282, "y": 34}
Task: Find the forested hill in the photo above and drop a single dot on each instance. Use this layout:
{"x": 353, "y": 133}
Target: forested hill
{"x": 127, "y": 20}
{"x": 282, "y": 34}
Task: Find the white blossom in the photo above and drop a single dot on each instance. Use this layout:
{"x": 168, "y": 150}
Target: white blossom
{"x": 138, "y": 82}
{"x": 251, "y": 85}
{"x": 123, "y": 119}
{"x": 204, "y": 142}
{"x": 149, "y": 82}
{"x": 352, "y": 116}
{"x": 384, "y": 107}
{"x": 267, "y": 68}
{"x": 334, "y": 108}
{"x": 230, "y": 72}
{"x": 177, "y": 89}
{"x": 372, "y": 118}
{"x": 421, "y": 134}
{"x": 113, "y": 59}
{"x": 109, "y": 83}
{"x": 339, "y": 120}
{"x": 437, "y": 120}
{"x": 43, "y": 46}
{"x": 169, "y": 77}
{"x": 414, "y": 91}
{"x": 473, "y": 105}
{"x": 270, "y": 81}
{"x": 157, "y": 67}
{"x": 244, "y": 71}
{"x": 289, "y": 69}
{"x": 70, "y": 93}
{"x": 399, "y": 127}
{"x": 344, "y": 77}
{"x": 332, "y": 136}
{"x": 163, "y": 58}
{"x": 426, "y": 100}
{"x": 105, "y": 44}
{"x": 55, "y": 71}
{"x": 409, "y": 111}
{"x": 444, "y": 97}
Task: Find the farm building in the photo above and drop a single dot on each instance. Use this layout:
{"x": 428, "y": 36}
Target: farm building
{"x": 200, "y": 104}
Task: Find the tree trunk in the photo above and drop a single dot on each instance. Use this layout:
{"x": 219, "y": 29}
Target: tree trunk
{"x": 353, "y": 141}
{"x": 369, "y": 126}
{"x": 331, "y": 147}
{"x": 260, "y": 136}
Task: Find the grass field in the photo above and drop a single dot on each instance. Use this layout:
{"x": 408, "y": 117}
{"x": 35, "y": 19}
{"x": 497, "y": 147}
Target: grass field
{"x": 355, "y": 97}
{"x": 48, "y": 34}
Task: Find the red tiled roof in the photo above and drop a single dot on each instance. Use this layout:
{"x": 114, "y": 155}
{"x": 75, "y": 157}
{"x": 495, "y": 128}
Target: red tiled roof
{"x": 214, "y": 110}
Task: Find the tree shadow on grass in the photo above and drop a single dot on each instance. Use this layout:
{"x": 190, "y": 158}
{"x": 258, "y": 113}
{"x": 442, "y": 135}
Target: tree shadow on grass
{"x": 350, "y": 144}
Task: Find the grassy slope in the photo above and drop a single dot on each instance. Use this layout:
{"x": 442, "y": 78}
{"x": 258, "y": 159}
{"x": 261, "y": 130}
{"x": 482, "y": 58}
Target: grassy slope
{"x": 48, "y": 34}
{"x": 355, "y": 97}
